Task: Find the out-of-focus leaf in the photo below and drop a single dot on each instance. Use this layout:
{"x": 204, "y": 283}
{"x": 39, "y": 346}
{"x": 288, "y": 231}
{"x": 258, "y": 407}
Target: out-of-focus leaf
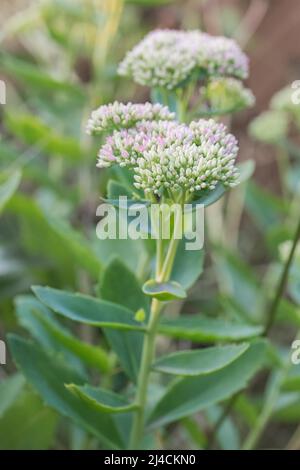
{"x": 39, "y": 321}
{"x": 292, "y": 381}
{"x": 9, "y": 153}
{"x": 32, "y": 131}
{"x": 47, "y": 235}
{"x": 8, "y": 188}
{"x": 240, "y": 284}
{"x": 288, "y": 408}
{"x": 288, "y": 313}
{"x": 48, "y": 374}
{"x": 199, "y": 362}
{"x": 10, "y": 388}
{"x": 27, "y": 424}
{"x": 37, "y": 78}
{"x": 227, "y": 434}
{"x": 189, "y": 395}
{"x": 266, "y": 209}
{"x": 246, "y": 409}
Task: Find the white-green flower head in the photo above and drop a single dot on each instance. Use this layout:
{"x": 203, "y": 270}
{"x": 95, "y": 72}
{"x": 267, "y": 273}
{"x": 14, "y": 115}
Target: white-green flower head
{"x": 171, "y": 156}
{"x": 223, "y": 57}
{"x": 166, "y": 58}
{"x": 227, "y": 94}
{"x": 123, "y": 116}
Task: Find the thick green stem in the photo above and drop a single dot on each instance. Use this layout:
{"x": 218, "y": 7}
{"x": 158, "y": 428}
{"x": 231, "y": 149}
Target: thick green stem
{"x": 162, "y": 274}
{"x": 143, "y": 380}
{"x": 169, "y": 261}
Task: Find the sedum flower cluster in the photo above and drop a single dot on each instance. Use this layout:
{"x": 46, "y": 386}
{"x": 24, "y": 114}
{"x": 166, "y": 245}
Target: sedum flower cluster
{"x": 167, "y": 155}
{"x": 166, "y": 58}
{"x": 122, "y": 116}
{"x": 227, "y": 93}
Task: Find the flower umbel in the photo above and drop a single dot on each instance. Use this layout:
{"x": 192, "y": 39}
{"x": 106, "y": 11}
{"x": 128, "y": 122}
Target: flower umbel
{"x": 227, "y": 93}
{"x": 166, "y": 58}
{"x": 166, "y": 155}
{"x": 123, "y": 116}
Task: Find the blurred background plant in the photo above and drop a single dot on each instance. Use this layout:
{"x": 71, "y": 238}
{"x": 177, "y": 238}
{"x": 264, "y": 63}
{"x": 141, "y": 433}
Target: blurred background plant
{"x": 59, "y": 60}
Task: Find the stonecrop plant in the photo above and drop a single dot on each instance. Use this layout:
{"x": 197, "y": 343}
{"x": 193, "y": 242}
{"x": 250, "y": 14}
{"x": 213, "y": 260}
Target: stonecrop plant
{"x": 170, "y": 162}
{"x": 143, "y": 383}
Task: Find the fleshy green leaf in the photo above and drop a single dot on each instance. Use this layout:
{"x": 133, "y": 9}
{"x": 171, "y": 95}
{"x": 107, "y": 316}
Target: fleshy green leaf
{"x": 201, "y": 329}
{"x": 129, "y": 292}
{"x": 10, "y": 388}
{"x": 131, "y": 252}
{"x": 164, "y": 291}
{"x": 85, "y": 309}
{"x": 199, "y": 362}
{"x": 102, "y": 400}
{"x": 189, "y": 395}
{"x": 48, "y": 374}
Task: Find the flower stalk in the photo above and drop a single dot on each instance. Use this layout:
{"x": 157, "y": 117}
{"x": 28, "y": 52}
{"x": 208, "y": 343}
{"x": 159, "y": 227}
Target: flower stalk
{"x": 163, "y": 272}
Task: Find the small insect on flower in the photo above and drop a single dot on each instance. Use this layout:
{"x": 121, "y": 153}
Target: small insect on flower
{"x": 167, "y": 58}
{"x": 167, "y": 155}
{"x": 123, "y": 116}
